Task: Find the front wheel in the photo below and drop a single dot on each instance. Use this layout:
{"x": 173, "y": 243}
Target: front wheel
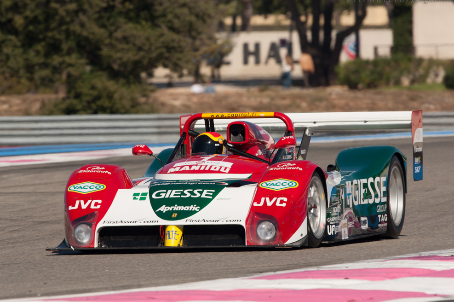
{"x": 316, "y": 211}
{"x": 396, "y": 199}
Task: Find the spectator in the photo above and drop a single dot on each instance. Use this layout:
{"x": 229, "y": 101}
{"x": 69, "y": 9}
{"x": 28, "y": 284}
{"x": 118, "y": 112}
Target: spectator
{"x": 307, "y": 67}
{"x": 209, "y": 88}
{"x": 196, "y": 88}
{"x": 287, "y": 67}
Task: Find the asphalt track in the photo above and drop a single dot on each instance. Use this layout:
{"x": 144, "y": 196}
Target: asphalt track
{"x": 31, "y": 219}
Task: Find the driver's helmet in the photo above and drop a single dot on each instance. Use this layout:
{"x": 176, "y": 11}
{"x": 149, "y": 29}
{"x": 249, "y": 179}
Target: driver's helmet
{"x": 209, "y": 143}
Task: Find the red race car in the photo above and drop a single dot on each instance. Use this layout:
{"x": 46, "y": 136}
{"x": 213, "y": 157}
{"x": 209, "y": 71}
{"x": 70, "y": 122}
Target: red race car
{"x": 245, "y": 189}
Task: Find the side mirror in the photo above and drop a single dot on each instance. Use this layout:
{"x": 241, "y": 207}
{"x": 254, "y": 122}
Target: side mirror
{"x": 141, "y": 150}
{"x": 286, "y": 141}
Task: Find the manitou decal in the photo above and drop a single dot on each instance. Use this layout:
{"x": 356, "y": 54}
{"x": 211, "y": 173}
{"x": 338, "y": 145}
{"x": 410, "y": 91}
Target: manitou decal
{"x": 280, "y": 202}
{"x": 92, "y": 204}
{"x": 202, "y": 165}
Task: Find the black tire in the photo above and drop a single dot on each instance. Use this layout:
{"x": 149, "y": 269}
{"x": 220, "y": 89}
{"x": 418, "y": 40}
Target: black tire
{"x": 316, "y": 217}
{"x": 395, "y": 199}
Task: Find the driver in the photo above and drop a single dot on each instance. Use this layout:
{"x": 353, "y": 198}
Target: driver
{"x": 209, "y": 143}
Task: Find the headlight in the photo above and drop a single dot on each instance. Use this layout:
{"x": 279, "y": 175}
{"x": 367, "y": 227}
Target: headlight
{"x": 266, "y": 230}
{"x": 82, "y": 233}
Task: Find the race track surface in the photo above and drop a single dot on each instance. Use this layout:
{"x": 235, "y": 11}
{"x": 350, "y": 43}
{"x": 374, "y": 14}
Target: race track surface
{"x": 31, "y": 219}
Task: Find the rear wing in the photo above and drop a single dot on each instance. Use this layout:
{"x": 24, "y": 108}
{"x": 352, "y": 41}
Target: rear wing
{"x": 309, "y": 123}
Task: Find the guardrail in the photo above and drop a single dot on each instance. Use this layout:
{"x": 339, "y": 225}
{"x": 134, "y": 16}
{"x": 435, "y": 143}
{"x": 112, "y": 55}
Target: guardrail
{"x": 147, "y": 128}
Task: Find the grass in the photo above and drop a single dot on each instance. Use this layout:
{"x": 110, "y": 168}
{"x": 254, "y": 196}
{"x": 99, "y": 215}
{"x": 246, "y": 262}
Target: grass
{"x": 418, "y": 87}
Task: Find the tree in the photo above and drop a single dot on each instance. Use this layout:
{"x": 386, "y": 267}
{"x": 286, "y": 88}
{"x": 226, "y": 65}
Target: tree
{"x": 57, "y": 42}
{"x": 325, "y": 56}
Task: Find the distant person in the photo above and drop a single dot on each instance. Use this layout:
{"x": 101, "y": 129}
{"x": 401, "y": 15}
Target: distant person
{"x": 209, "y": 88}
{"x": 196, "y": 88}
{"x": 287, "y": 67}
{"x": 307, "y": 67}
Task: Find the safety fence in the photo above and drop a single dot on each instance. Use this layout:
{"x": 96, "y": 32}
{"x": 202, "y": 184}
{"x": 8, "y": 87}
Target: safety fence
{"x": 147, "y": 128}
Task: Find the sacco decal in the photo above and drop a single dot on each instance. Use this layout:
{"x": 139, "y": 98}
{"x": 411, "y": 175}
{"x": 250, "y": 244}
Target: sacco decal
{"x": 280, "y": 202}
{"x": 139, "y": 196}
{"x": 279, "y": 184}
{"x": 86, "y": 187}
{"x": 93, "y": 204}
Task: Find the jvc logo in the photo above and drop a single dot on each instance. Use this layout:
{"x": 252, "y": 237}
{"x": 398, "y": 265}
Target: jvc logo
{"x": 383, "y": 217}
{"x": 92, "y": 204}
{"x": 331, "y": 229}
{"x": 280, "y": 201}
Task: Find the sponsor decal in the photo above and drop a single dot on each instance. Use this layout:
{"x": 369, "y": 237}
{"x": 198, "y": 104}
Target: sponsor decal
{"x": 332, "y": 229}
{"x": 418, "y": 160}
{"x": 238, "y": 115}
{"x": 382, "y": 208}
{"x": 86, "y": 187}
{"x": 176, "y": 207}
{"x": 202, "y": 165}
{"x": 188, "y": 193}
{"x": 189, "y": 220}
{"x": 140, "y": 196}
{"x": 344, "y": 225}
{"x": 333, "y": 219}
{"x": 95, "y": 169}
{"x": 383, "y": 217}
{"x": 130, "y": 221}
{"x": 417, "y": 169}
{"x": 364, "y": 223}
{"x": 92, "y": 204}
{"x": 280, "y": 202}
{"x": 180, "y": 200}
{"x": 417, "y": 149}
{"x": 356, "y": 190}
{"x": 286, "y": 166}
{"x": 279, "y": 184}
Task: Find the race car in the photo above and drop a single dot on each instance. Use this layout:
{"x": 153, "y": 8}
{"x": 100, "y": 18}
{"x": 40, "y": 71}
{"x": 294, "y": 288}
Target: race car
{"x": 245, "y": 189}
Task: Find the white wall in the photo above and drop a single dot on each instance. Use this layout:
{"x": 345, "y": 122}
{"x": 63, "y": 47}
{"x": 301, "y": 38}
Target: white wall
{"x": 270, "y": 69}
{"x": 433, "y": 24}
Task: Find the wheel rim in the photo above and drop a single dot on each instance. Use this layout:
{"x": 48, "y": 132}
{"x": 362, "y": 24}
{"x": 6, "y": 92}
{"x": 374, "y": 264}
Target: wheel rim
{"x": 396, "y": 195}
{"x": 316, "y": 208}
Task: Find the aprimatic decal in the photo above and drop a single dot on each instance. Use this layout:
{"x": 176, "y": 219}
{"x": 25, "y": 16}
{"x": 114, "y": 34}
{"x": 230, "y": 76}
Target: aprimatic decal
{"x": 179, "y": 200}
{"x": 86, "y": 187}
{"x": 279, "y": 184}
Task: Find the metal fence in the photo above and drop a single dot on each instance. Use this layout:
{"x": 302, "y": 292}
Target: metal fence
{"x": 147, "y": 128}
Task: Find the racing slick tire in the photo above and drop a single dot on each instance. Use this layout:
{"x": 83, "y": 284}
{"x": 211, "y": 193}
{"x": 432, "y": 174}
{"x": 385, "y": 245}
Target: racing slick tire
{"x": 396, "y": 199}
{"x": 316, "y": 211}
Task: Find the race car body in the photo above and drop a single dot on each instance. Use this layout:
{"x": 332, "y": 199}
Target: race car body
{"x": 251, "y": 191}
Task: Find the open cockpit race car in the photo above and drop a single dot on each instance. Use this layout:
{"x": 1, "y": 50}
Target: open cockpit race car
{"x": 246, "y": 190}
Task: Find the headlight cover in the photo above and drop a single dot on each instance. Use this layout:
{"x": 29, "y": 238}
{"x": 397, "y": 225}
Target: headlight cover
{"x": 82, "y": 233}
{"x": 266, "y": 230}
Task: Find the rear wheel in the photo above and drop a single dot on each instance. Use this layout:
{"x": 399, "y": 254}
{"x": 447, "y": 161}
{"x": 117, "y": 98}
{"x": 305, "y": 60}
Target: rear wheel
{"x": 316, "y": 211}
{"x": 396, "y": 199}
